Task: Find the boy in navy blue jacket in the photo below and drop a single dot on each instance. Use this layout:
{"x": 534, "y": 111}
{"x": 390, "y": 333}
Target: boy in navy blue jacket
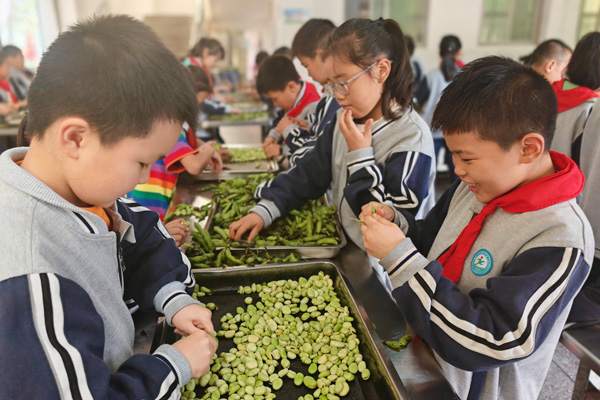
{"x": 487, "y": 279}
{"x": 74, "y": 253}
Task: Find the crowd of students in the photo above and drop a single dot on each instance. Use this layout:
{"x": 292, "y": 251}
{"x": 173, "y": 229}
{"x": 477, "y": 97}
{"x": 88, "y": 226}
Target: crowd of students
{"x": 488, "y": 276}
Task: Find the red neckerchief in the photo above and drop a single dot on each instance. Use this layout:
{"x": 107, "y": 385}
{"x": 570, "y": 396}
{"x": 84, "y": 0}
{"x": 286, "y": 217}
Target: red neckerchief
{"x": 310, "y": 96}
{"x": 565, "y": 184}
{"x": 197, "y": 62}
{"x": 570, "y": 98}
{"x": 5, "y": 85}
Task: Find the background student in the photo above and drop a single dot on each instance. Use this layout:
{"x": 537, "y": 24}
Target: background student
{"x": 577, "y": 95}
{"x": 19, "y": 77}
{"x": 376, "y": 148}
{"x": 490, "y": 299}
{"x": 550, "y": 59}
{"x": 73, "y": 250}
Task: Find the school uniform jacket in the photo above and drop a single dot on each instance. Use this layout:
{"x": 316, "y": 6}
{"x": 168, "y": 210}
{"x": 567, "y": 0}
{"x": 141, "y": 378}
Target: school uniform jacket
{"x": 397, "y": 169}
{"x": 299, "y": 141}
{"x": 66, "y": 330}
{"x": 569, "y": 128}
{"x": 495, "y": 331}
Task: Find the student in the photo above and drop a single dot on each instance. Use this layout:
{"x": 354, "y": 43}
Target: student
{"x": 156, "y": 194}
{"x": 376, "y": 148}
{"x": 577, "y": 95}
{"x": 8, "y": 99}
{"x": 550, "y": 59}
{"x": 206, "y": 54}
{"x": 19, "y": 76}
{"x": 307, "y": 46}
{"x": 419, "y": 87}
{"x": 278, "y": 80}
{"x": 72, "y": 250}
{"x": 437, "y": 80}
{"x": 488, "y": 277}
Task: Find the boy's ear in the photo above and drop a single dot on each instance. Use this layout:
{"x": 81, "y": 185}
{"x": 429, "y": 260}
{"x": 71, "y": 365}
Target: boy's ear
{"x": 382, "y": 70}
{"x": 549, "y": 65}
{"x": 292, "y": 86}
{"x": 74, "y": 133}
{"x": 532, "y": 147}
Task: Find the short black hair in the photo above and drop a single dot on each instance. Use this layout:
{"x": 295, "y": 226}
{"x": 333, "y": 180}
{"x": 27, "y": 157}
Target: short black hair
{"x": 213, "y": 46}
{"x": 114, "y": 72}
{"x": 551, "y": 49}
{"x": 498, "y": 99}
{"x": 260, "y": 57}
{"x": 283, "y": 51}
{"x": 584, "y": 68}
{"x": 11, "y": 51}
{"x": 199, "y": 79}
{"x": 275, "y": 73}
{"x": 309, "y": 37}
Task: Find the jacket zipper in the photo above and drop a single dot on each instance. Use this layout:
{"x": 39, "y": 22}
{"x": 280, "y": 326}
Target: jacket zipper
{"x": 121, "y": 265}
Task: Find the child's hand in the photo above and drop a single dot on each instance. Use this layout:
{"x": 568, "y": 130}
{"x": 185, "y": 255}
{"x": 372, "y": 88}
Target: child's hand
{"x": 6, "y": 109}
{"x": 198, "y": 349}
{"x": 268, "y": 141}
{"x": 283, "y": 123}
{"x": 225, "y": 154}
{"x": 302, "y": 123}
{"x": 251, "y": 222}
{"x": 215, "y": 161}
{"x": 273, "y": 151}
{"x": 192, "y": 318}
{"x": 355, "y": 139}
{"x": 382, "y": 209}
{"x": 178, "y": 231}
{"x": 380, "y": 236}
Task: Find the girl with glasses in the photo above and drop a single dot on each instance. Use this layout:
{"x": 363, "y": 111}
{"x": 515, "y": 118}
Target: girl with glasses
{"x": 376, "y": 147}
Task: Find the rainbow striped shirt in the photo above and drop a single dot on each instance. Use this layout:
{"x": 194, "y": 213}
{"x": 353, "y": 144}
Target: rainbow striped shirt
{"x": 156, "y": 194}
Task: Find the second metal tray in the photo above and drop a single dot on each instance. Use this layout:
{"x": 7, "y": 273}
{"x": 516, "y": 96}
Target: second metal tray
{"x": 384, "y": 382}
{"x": 239, "y": 170}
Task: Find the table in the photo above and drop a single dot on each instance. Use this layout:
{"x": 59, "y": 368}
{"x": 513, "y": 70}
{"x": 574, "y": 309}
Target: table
{"x": 583, "y": 342}
{"x": 6, "y": 134}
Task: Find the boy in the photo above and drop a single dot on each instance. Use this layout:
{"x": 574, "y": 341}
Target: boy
{"x": 73, "y": 252}
{"x": 488, "y": 277}
{"x": 278, "y": 80}
{"x": 308, "y": 48}
{"x": 19, "y": 78}
{"x": 8, "y": 99}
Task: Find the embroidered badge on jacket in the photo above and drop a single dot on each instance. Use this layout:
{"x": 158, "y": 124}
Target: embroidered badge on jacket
{"x": 482, "y": 262}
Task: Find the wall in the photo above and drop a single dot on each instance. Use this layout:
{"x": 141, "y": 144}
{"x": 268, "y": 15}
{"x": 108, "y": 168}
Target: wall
{"x": 463, "y": 18}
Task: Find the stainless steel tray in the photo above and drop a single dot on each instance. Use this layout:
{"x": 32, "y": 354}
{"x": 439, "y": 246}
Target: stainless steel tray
{"x": 239, "y": 170}
{"x": 384, "y": 382}
{"x": 307, "y": 252}
{"x": 266, "y": 121}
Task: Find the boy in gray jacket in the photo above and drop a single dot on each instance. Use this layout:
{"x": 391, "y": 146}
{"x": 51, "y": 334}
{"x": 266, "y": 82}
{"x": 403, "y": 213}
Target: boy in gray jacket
{"x": 487, "y": 279}
{"x": 108, "y": 101}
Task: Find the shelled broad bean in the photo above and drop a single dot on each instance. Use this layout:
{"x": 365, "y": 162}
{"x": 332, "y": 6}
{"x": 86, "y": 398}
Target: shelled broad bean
{"x": 247, "y": 154}
{"x": 312, "y": 225}
{"x": 294, "y": 319}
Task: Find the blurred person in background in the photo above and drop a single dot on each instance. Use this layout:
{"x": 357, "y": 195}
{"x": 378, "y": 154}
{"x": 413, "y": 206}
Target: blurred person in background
{"x": 20, "y": 77}
{"x": 420, "y": 87}
{"x": 550, "y": 59}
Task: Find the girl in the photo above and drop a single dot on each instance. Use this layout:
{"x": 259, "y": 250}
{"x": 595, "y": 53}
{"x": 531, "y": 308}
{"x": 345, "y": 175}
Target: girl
{"x": 157, "y": 193}
{"x": 376, "y": 146}
{"x": 438, "y": 79}
{"x": 550, "y": 59}
{"x": 577, "y": 95}
{"x": 206, "y": 54}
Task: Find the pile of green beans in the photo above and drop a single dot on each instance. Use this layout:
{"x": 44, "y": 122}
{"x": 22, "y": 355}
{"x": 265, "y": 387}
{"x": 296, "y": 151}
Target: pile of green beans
{"x": 188, "y": 210}
{"x": 247, "y": 116}
{"x": 207, "y": 252}
{"x": 293, "y": 320}
{"x": 312, "y": 225}
{"x": 247, "y": 154}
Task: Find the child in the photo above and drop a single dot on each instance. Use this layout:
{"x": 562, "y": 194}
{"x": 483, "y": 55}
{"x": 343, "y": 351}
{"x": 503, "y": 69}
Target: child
{"x": 488, "y": 277}
{"x": 73, "y": 251}
{"x": 392, "y": 161}
{"x": 156, "y": 194}
{"x": 577, "y": 95}
{"x": 206, "y": 54}
{"x": 437, "y": 80}
{"x": 278, "y": 80}
{"x": 19, "y": 76}
{"x": 8, "y": 99}
{"x": 550, "y": 59}
{"x": 307, "y": 46}
{"x": 419, "y": 86}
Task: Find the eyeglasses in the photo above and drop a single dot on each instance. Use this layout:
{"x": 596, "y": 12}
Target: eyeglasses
{"x": 342, "y": 87}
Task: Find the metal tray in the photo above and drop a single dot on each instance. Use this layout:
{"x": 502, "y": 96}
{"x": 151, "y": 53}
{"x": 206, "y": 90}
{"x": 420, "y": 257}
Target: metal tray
{"x": 307, "y": 252}
{"x": 239, "y": 170}
{"x": 384, "y": 382}
{"x": 266, "y": 121}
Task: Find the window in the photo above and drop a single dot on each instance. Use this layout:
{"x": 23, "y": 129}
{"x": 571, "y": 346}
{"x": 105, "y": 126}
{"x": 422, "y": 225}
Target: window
{"x": 20, "y": 26}
{"x": 412, "y": 17}
{"x": 509, "y": 21}
{"x": 589, "y": 18}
